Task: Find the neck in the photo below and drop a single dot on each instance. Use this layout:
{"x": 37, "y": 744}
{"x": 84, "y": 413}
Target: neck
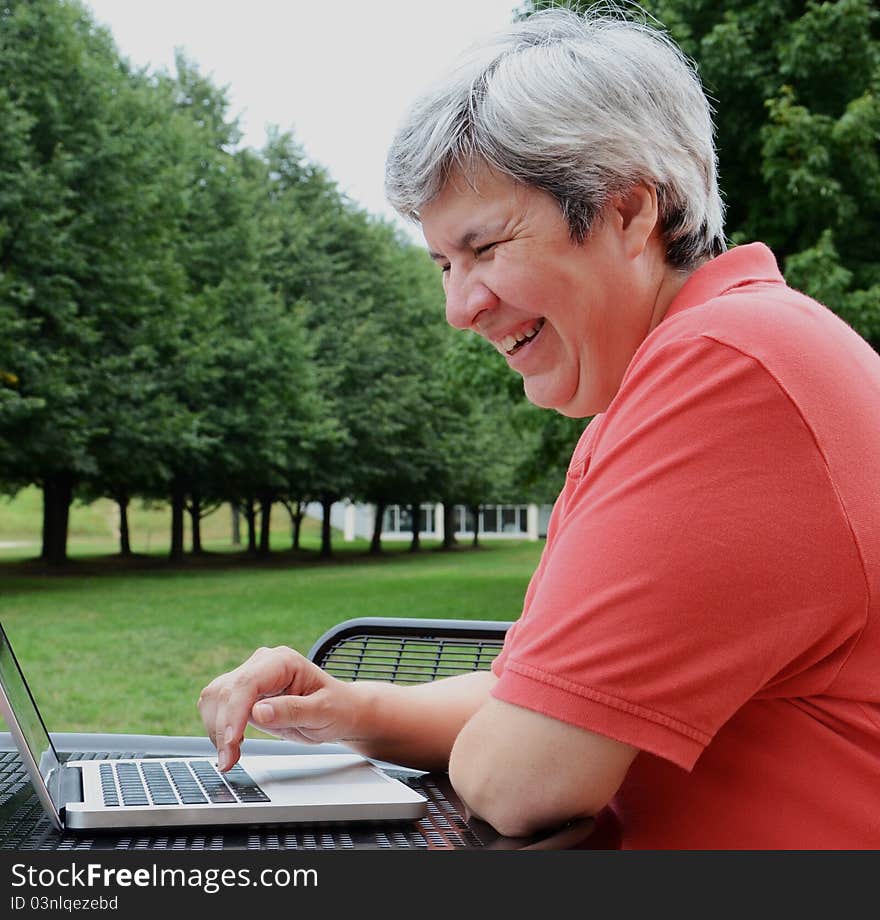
{"x": 672, "y": 280}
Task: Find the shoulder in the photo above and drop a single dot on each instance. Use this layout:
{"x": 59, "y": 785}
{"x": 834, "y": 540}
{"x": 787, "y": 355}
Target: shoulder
{"x": 741, "y": 302}
{"x": 750, "y": 342}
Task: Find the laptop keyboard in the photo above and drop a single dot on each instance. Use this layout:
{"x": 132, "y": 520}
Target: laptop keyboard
{"x": 24, "y": 825}
{"x": 176, "y": 782}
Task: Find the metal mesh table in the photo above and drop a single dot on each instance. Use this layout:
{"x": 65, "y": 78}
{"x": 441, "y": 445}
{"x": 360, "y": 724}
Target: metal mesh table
{"x": 393, "y": 649}
{"x": 24, "y": 826}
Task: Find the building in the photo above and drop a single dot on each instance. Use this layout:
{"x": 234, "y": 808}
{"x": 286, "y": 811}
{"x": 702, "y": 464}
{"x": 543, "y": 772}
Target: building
{"x": 518, "y": 522}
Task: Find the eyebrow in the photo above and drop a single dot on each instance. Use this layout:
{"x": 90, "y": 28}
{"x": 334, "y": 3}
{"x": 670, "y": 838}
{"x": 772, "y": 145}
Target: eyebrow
{"x": 468, "y": 239}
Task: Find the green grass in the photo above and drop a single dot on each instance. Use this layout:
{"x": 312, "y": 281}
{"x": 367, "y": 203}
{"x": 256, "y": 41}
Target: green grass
{"x": 112, "y": 647}
{"x": 93, "y": 528}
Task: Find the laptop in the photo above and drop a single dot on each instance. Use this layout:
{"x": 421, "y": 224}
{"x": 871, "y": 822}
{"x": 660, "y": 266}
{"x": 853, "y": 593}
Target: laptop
{"x": 171, "y": 792}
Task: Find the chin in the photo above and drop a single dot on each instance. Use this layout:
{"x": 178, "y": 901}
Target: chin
{"x": 570, "y": 405}
{"x": 576, "y": 412}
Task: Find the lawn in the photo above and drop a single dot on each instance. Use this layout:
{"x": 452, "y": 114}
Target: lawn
{"x": 127, "y": 649}
{"x": 94, "y": 528}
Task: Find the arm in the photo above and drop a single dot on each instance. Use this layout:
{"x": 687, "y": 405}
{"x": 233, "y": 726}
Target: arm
{"x": 280, "y": 691}
{"x": 521, "y": 770}
{"x": 417, "y": 726}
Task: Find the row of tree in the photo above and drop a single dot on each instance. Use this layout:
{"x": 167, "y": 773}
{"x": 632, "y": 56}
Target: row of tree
{"x": 185, "y": 320}
{"x": 182, "y": 319}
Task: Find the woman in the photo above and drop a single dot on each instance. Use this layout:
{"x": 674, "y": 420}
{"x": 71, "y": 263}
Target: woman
{"x": 698, "y": 646}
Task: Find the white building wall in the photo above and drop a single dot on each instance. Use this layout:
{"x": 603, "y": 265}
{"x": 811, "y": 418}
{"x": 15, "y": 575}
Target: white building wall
{"x": 355, "y": 520}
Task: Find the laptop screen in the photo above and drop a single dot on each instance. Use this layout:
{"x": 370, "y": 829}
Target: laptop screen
{"x": 21, "y": 711}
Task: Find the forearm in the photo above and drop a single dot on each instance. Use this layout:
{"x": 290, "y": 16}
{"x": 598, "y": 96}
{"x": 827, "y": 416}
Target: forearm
{"x": 415, "y": 726}
{"x": 521, "y": 770}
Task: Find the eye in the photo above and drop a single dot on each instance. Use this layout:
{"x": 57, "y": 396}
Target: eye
{"x": 482, "y": 250}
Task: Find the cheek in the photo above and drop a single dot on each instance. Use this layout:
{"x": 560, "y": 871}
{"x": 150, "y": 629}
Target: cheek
{"x": 576, "y": 331}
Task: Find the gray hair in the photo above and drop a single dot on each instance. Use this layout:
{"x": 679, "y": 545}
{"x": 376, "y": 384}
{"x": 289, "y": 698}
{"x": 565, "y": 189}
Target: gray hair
{"x": 582, "y": 107}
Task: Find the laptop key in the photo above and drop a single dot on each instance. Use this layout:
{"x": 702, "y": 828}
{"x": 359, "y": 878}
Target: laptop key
{"x": 157, "y": 782}
{"x": 213, "y": 783}
{"x": 244, "y": 787}
{"x": 108, "y": 787}
{"x": 131, "y": 785}
{"x": 185, "y": 783}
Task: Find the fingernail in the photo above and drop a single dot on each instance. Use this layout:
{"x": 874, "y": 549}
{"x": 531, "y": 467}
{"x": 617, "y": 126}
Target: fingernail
{"x": 229, "y": 736}
{"x": 264, "y": 712}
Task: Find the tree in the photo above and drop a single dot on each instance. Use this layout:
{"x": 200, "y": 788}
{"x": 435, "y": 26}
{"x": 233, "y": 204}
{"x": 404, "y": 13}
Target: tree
{"x": 81, "y": 225}
{"x": 306, "y": 264}
{"x": 797, "y": 92}
{"x": 371, "y": 307}
{"x": 499, "y": 446}
{"x": 231, "y": 359}
{"x": 400, "y": 449}
{"x": 134, "y": 418}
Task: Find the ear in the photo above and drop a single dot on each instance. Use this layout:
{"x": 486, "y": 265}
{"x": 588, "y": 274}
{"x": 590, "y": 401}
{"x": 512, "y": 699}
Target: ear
{"x": 635, "y": 216}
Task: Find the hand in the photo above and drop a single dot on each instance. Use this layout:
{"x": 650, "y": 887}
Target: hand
{"x": 279, "y": 691}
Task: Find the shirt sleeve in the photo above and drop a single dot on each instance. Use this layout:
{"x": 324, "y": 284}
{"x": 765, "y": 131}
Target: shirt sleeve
{"x": 701, "y": 559}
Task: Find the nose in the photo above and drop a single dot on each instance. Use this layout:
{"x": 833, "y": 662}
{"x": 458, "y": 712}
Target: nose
{"x": 466, "y": 299}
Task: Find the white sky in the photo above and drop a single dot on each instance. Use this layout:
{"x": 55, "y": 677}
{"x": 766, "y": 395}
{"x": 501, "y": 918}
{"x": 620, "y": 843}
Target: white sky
{"x": 337, "y": 73}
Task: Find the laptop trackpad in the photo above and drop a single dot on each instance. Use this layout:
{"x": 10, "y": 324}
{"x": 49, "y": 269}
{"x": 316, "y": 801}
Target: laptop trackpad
{"x": 329, "y": 776}
{"x": 334, "y": 777}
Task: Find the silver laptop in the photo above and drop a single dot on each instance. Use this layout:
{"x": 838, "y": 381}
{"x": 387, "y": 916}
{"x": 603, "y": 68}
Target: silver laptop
{"x": 187, "y": 791}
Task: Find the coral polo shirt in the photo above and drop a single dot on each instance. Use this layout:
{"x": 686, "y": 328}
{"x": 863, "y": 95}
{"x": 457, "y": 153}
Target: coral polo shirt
{"x": 710, "y": 588}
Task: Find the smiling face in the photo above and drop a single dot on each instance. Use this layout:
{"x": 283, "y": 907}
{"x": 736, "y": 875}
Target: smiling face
{"x": 568, "y": 317}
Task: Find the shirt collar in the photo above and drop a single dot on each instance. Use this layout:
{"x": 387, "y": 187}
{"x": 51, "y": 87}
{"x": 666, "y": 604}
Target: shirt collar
{"x": 746, "y": 264}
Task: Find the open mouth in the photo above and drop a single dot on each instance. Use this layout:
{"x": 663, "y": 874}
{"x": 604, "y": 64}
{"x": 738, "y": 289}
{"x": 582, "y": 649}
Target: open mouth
{"x": 511, "y": 344}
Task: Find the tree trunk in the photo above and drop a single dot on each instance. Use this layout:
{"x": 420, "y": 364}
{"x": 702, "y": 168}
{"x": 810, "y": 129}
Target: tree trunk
{"x": 124, "y": 533}
{"x": 416, "y": 543}
{"x": 475, "y": 511}
{"x": 265, "y": 523}
{"x": 178, "y": 507}
{"x": 326, "y": 533}
{"x": 236, "y": 524}
{"x": 250, "y": 515}
{"x": 57, "y": 496}
{"x": 296, "y": 523}
{"x": 195, "y": 513}
{"x": 449, "y": 540}
{"x": 376, "y": 541}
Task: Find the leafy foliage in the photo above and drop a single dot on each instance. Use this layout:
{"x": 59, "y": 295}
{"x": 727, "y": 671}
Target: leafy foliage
{"x": 796, "y": 88}
{"x": 183, "y": 318}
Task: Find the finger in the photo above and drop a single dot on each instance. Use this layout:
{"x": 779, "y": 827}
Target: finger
{"x": 209, "y": 717}
{"x": 229, "y": 743}
{"x": 300, "y": 713}
{"x": 291, "y": 734}
{"x": 207, "y": 706}
{"x": 265, "y": 673}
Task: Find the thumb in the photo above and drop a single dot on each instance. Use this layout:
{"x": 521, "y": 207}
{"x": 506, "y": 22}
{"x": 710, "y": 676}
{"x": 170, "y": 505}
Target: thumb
{"x": 279, "y": 712}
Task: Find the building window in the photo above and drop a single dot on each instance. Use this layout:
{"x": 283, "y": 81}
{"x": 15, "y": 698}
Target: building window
{"x": 466, "y": 519}
{"x": 398, "y": 519}
{"x": 510, "y": 519}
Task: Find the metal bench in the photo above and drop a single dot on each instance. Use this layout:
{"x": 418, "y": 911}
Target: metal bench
{"x": 408, "y": 650}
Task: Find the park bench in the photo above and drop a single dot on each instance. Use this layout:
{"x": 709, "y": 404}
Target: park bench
{"x": 408, "y": 650}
